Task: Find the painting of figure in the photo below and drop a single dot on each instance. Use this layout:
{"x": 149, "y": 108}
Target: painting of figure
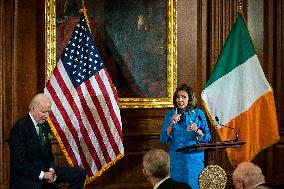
{"x": 131, "y": 37}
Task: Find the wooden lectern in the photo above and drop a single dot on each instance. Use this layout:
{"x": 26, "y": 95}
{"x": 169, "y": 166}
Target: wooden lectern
{"x": 212, "y": 146}
{"x": 207, "y": 147}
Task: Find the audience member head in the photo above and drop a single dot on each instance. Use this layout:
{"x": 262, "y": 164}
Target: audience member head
{"x": 156, "y": 165}
{"x": 247, "y": 175}
{"x": 40, "y": 106}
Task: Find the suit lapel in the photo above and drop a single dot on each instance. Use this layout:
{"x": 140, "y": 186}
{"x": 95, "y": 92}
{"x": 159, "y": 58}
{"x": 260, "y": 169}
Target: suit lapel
{"x": 32, "y": 128}
{"x": 44, "y": 149}
{"x": 166, "y": 184}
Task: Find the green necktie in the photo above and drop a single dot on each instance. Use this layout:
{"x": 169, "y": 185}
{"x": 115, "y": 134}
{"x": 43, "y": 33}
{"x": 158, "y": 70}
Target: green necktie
{"x": 41, "y": 134}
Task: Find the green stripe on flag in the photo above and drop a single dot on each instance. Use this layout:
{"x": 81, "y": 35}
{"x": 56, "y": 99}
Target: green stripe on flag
{"x": 237, "y": 50}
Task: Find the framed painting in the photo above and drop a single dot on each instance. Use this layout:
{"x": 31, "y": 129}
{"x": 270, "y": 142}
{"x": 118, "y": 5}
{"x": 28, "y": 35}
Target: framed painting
{"x": 136, "y": 39}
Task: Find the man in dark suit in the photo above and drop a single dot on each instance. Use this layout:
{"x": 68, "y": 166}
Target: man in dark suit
{"x": 32, "y": 162}
{"x": 248, "y": 175}
{"x": 156, "y": 169}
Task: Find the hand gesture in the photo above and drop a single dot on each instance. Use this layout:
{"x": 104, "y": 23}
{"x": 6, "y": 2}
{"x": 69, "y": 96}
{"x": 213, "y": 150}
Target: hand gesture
{"x": 193, "y": 127}
{"x": 175, "y": 118}
{"x": 50, "y": 176}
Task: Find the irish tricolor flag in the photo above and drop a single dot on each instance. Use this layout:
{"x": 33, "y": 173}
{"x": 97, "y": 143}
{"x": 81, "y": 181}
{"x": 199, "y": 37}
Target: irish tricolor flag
{"x": 239, "y": 96}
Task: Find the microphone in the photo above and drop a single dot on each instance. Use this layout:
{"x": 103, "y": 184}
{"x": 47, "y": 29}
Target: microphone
{"x": 196, "y": 137}
{"x": 199, "y": 117}
{"x": 182, "y": 116}
{"x": 236, "y": 132}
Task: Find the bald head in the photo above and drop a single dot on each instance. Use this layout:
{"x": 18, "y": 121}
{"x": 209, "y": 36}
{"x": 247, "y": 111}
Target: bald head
{"x": 40, "y": 107}
{"x": 37, "y": 99}
{"x": 247, "y": 175}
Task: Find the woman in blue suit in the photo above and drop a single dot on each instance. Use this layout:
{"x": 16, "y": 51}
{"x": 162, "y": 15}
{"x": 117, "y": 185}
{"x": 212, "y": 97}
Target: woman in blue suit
{"x": 183, "y": 126}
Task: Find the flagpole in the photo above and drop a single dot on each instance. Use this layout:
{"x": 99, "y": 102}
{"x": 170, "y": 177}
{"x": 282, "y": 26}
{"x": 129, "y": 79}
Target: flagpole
{"x": 84, "y": 11}
{"x": 240, "y": 9}
{"x": 240, "y": 6}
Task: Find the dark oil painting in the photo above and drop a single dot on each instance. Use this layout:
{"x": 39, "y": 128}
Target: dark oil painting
{"x": 131, "y": 36}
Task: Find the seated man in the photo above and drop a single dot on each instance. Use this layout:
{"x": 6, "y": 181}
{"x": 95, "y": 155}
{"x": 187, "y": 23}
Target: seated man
{"x": 32, "y": 162}
{"x": 248, "y": 175}
{"x": 156, "y": 169}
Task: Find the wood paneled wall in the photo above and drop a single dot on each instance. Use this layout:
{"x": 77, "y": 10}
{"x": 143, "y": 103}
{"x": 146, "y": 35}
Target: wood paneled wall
{"x": 22, "y": 66}
{"x": 203, "y": 26}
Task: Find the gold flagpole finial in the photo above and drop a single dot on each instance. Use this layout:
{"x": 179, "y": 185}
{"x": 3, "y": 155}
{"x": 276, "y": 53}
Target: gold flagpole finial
{"x": 240, "y": 6}
{"x": 84, "y": 11}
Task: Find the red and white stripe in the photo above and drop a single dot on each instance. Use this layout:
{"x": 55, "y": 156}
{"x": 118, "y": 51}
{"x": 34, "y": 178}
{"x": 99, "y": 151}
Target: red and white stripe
{"x": 87, "y": 119}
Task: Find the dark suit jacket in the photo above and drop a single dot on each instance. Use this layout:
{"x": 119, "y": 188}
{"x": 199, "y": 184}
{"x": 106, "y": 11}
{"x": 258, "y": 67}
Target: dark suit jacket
{"x": 28, "y": 158}
{"x": 171, "y": 184}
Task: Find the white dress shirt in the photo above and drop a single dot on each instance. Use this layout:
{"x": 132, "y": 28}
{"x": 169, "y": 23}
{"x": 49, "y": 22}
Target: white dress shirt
{"x": 35, "y": 125}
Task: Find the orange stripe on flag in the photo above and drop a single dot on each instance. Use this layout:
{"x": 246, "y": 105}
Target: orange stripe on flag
{"x": 257, "y": 126}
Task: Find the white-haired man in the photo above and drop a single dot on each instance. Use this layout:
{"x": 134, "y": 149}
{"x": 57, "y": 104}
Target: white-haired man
{"x": 32, "y": 162}
{"x": 248, "y": 176}
{"x": 156, "y": 169}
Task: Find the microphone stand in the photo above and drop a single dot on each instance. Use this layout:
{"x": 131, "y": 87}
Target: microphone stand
{"x": 236, "y": 132}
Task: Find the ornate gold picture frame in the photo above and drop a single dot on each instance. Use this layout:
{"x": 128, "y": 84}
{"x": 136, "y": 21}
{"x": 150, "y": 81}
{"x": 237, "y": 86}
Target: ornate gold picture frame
{"x": 162, "y": 84}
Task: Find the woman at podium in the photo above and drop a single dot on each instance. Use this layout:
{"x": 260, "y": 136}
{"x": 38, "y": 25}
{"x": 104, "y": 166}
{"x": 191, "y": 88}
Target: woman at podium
{"x": 183, "y": 126}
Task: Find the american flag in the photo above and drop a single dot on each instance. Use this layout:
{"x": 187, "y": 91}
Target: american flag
{"x": 85, "y": 116}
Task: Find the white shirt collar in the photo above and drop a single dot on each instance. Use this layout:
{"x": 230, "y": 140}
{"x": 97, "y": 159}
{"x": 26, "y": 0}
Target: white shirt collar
{"x": 34, "y": 121}
{"x": 161, "y": 181}
{"x": 258, "y": 184}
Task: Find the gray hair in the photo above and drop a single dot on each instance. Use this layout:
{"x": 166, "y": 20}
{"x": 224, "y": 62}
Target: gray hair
{"x": 157, "y": 163}
{"x": 249, "y": 173}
